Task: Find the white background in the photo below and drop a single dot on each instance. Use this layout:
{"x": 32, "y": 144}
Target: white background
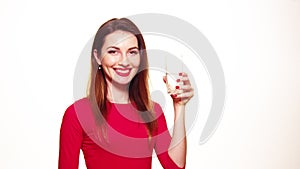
{"x": 257, "y": 43}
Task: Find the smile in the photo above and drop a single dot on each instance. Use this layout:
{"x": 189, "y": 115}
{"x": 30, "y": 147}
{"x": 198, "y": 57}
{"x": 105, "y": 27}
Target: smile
{"x": 122, "y": 71}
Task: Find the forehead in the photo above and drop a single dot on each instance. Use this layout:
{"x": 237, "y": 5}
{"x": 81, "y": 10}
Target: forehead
{"x": 120, "y": 39}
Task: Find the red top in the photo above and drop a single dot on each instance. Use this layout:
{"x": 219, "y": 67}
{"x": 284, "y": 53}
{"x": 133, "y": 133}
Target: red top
{"x": 126, "y": 144}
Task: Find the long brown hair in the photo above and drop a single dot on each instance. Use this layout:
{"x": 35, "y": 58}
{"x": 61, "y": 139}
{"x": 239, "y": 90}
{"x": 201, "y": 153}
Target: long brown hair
{"x": 138, "y": 87}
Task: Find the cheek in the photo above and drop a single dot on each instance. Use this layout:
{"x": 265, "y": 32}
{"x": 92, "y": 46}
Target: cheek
{"x": 135, "y": 61}
{"x": 109, "y": 61}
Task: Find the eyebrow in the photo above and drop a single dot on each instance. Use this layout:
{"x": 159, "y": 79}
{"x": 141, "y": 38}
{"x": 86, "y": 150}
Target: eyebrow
{"x": 134, "y": 47}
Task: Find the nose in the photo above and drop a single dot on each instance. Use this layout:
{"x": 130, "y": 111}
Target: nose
{"x": 124, "y": 60}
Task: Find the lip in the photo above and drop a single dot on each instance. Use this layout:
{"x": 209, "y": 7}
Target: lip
{"x": 124, "y": 72}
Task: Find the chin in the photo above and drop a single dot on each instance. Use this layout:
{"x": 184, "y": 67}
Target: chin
{"x": 122, "y": 80}
{"x": 119, "y": 82}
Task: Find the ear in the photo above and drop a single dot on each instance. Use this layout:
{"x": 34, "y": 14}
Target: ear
{"x": 97, "y": 56}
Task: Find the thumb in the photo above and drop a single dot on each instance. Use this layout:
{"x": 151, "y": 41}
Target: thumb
{"x": 165, "y": 79}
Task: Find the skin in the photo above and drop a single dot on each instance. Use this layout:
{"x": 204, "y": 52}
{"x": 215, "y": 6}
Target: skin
{"x": 181, "y": 96}
{"x": 120, "y": 52}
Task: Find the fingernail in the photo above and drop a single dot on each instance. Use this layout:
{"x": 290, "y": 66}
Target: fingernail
{"x": 175, "y": 95}
{"x": 177, "y": 87}
{"x": 178, "y": 80}
{"x": 180, "y": 74}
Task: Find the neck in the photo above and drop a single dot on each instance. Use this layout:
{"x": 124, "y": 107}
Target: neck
{"x": 117, "y": 93}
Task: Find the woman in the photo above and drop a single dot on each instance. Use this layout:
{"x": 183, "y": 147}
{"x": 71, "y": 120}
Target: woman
{"x": 117, "y": 125}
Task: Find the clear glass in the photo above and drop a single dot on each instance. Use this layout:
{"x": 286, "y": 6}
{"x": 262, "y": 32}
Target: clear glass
{"x": 172, "y": 82}
{"x": 173, "y": 66}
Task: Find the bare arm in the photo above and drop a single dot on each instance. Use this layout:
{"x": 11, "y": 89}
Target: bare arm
{"x": 178, "y": 147}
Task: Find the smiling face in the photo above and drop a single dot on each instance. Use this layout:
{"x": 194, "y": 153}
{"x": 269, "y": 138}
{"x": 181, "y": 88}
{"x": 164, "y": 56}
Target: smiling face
{"x": 119, "y": 57}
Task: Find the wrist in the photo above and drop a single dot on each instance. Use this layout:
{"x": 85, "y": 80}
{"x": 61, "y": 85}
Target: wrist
{"x": 179, "y": 107}
{"x": 179, "y": 110}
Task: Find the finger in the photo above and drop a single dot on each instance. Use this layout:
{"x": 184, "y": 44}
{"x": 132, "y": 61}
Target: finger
{"x": 165, "y": 79}
{"x": 184, "y": 78}
{"x": 186, "y": 95}
{"x": 180, "y": 91}
{"x": 186, "y": 81}
{"x": 185, "y": 88}
{"x": 183, "y": 74}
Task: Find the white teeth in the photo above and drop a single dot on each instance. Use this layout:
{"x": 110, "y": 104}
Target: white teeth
{"x": 122, "y": 71}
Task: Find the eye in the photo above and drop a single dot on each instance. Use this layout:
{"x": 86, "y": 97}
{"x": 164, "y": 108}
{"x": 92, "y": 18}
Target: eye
{"x": 134, "y": 52}
{"x": 112, "y": 52}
